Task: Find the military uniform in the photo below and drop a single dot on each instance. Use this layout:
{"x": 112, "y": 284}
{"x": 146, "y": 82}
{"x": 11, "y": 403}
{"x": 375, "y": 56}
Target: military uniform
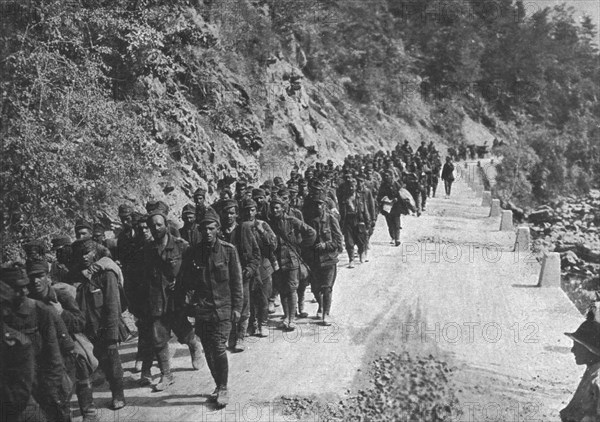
{"x": 98, "y": 298}
{"x": 391, "y": 189}
{"x": 261, "y": 290}
{"x": 212, "y": 280}
{"x": 323, "y": 259}
{"x": 159, "y": 313}
{"x": 355, "y": 223}
{"x": 17, "y": 374}
{"x": 292, "y": 234}
{"x": 242, "y": 238}
{"x": 51, "y": 385}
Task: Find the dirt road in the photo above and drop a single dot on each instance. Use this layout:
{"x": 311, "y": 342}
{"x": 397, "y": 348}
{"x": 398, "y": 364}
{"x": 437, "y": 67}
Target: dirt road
{"x": 453, "y": 289}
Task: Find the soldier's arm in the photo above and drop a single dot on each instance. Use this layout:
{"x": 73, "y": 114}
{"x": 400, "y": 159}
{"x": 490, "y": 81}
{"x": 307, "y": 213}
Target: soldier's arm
{"x": 51, "y": 366}
{"x": 71, "y": 315}
{"x": 111, "y": 311}
{"x": 269, "y": 238}
{"x": 18, "y": 368}
{"x": 235, "y": 281}
{"x": 337, "y": 239}
{"x": 309, "y": 235}
{"x": 254, "y": 261}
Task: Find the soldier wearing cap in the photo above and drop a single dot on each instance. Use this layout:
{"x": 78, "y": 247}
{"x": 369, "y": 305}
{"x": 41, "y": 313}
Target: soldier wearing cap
{"x": 160, "y": 313}
{"x": 212, "y": 278}
{"x": 59, "y": 269}
{"x": 292, "y": 234}
{"x": 355, "y": 221}
{"x": 200, "y": 203}
{"x": 296, "y": 201}
{"x": 240, "y": 188}
{"x": 413, "y": 184}
{"x": 260, "y": 290}
{"x": 99, "y": 299}
{"x": 17, "y": 366}
{"x": 190, "y": 231}
{"x": 36, "y": 321}
{"x": 284, "y": 195}
{"x": 390, "y": 189}
{"x": 367, "y": 198}
{"x": 134, "y": 292}
{"x": 83, "y": 229}
{"x": 69, "y": 321}
{"x": 322, "y": 255}
{"x": 240, "y": 236}
{"x": 585, "y": 404}
{"x": 35, "y": 250}
{"x": 259, "y": 196}
{"x": 161, "y": 208}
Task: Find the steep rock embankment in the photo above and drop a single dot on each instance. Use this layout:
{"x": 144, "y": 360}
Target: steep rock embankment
{"x": 231, "y": 120}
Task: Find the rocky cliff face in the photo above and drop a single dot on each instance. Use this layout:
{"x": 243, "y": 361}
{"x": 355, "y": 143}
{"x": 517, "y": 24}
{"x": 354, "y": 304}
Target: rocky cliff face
{"x": 231, "y": 119}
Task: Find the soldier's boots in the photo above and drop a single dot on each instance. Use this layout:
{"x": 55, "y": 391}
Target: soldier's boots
{"x": 164, "y": 363}
{"x": 213, "y": 396}
{"x": 222, "y": 397}
{"x": 85, "y": 398}
{"x": 166, "y": 380}
{"x": 196, "y": 352}
{"x": 301, "y": 313}
{"x": 145, "y": 379}
{"x": 260, "y": 332}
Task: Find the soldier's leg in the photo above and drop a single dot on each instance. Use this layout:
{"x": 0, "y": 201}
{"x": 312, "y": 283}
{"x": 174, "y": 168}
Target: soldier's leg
{"x": 203, "y": 330}
{"x": 259, "y": 302}
{"x": 109, "y": 361}
{"x": 315, "y": 287}
{"x": 293, "y": 282}
{"x": 349, "y": 243}
{"x": 423, "y": 200}
{"x": 83, "y": 389}
{"x": 301, "y": 295}
{"x": 161, "y": 333}
{"x": 328, "y": 275}
{"x": 273, "y": 295}
{"x": 185, "y": 335}
{"x": 396, "y": 228}
{"x": 361, "y": 241}
{"x": 145, "y": 351}
{"x": 390, "y": 225}
{"x": 218, "y": 335}
{"x": 238, "y": 332}
{"x": 280, "y": 278}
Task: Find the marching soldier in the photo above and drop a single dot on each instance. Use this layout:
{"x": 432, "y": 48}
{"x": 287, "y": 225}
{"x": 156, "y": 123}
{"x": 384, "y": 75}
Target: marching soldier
{"x": 98, "y": 298}
{"x": 162, "y": 263}
{"x": 292, "y": 234}
{"x": 355, "y": 222}
{"x": 17, "y": 363}
{"x": 212, "y": 279}
{"x": 51, "y": 387}
{"x": 322, "y": 255}
{"x": 261, "y": 289}
{"x": 190, "y": 231}
{"x": 240, "y": 236}
{"x": 391, "y": 189}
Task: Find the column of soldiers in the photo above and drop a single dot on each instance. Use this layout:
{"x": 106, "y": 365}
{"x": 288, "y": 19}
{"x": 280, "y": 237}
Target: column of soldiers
{"x": 224, "y": 269}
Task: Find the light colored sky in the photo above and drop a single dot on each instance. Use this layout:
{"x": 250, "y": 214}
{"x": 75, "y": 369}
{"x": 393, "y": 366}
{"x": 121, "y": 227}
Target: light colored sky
{"x": 582, "y": 7}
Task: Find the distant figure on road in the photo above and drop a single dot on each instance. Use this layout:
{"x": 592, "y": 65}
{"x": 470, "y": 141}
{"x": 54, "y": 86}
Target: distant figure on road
{"x": 448, "y": 176}
{"x": 585, "y": 404}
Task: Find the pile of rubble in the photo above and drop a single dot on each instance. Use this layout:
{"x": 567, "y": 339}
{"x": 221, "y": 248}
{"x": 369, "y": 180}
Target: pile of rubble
{"x": 571, "y": 226}
{"x": 402, "y": 388}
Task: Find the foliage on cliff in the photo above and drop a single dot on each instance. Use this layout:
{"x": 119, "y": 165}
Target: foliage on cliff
{"x": 102, "y": 98}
